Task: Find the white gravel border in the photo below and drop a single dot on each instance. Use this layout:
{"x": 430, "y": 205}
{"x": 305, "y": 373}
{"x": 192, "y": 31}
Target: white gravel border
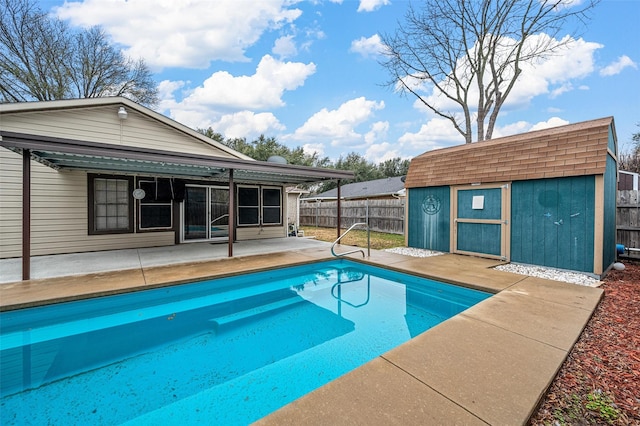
{"x": 530, "y": 270}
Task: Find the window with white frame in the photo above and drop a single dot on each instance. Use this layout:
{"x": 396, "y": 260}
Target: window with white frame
{"x": 259, "y": 205}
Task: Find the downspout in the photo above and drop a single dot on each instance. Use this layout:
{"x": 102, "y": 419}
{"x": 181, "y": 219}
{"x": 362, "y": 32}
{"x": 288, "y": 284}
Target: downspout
{"x": 298, "y": 211}
{"x": 26, "y": 214}
{"x": 339, "y": 215}
{"x": 232, "y": 218}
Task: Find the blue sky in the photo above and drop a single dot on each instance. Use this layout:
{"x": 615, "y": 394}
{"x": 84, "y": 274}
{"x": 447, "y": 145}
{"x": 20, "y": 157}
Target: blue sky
{"x": 307, "y": 72}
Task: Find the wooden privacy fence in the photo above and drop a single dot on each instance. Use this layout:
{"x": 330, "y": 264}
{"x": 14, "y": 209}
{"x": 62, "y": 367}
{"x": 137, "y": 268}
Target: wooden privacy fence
{"x": 384, "y": 215}
{"x": 628, "y": 222}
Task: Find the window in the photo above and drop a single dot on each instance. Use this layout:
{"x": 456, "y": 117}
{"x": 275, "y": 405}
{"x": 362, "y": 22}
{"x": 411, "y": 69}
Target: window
{"x": 110, "y": 204}
{"x": 259, "y": 205}
{"x": 248, "y": 205}
{"x": 271, "y": 207}
{"x": 155, "y": 209}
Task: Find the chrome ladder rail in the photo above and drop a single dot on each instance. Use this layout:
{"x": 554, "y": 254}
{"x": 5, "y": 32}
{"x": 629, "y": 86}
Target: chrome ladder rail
{"x": 356, "y": 250}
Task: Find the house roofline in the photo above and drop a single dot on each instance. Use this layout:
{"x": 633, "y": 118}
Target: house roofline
{"x": 67, "y": 104}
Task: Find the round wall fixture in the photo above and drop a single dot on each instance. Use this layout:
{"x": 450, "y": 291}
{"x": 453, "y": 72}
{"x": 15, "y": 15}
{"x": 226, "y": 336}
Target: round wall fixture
{"x": 138, "y": 193}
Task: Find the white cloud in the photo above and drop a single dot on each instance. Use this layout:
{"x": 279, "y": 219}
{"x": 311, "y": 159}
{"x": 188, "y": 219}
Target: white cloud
{"x": 167, "y": 88}
{"x": 371, "y": 5}
{"x": 616, "y": 67}
{"x": 552, "y": 122}
{"x": 284, "y": 47}
{"x": 178, "y": 33}
{"x": 524, "y": 126}
{"x": 436, "y": 133}
{"x": 259, "y": 91}
{"x": 313, "y": 148}
{"x": 230, "y": 104}
{"x": 367, "y": 47}
{"x": 377, "y": 153}
{"x": 247, "y": 124}
{"x": 378, "y": 131}
{"x": 338, "y": 126}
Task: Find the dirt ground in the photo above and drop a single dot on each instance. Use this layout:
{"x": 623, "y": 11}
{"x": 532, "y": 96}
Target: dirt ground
{"x": 599, "y": 383}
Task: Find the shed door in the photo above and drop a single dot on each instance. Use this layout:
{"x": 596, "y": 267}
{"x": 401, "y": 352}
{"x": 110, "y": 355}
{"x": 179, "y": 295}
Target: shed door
{"x": 481, "y": 220}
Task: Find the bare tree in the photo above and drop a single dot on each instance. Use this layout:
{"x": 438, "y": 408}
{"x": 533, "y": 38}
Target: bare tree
{"x": 41, "y": 58}
{"x": 471, "y": 53}
{"x": 630, "y": 161}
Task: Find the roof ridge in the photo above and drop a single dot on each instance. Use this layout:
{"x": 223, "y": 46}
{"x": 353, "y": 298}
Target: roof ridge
{"x": 527, "y": 136}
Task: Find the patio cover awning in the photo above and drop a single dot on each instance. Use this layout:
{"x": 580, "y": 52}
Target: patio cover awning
{"x": 66, "y": 154}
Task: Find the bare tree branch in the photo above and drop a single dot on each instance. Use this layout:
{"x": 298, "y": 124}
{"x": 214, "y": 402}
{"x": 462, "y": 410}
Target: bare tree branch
{"x": 472, "y": 51}
{"x": 41, "y": 58}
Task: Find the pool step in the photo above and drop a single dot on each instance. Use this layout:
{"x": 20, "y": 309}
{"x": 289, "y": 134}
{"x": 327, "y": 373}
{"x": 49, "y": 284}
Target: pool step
{"x": 238, "y": 318}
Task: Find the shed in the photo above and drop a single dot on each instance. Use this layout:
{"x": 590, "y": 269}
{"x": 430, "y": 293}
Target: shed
{"x": 544, "y": 198}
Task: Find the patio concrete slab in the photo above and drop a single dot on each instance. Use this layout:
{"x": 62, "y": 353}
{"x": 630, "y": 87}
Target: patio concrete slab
{"x": 24, "y": 294}
{"x": 187, "y": 272}
{"x": 468, "y": 271}
{"x": 577, "y": 296}
{"x": 494, "y": 373}
{"x": 379, "y": 393}
{"x": 552, "y": 323}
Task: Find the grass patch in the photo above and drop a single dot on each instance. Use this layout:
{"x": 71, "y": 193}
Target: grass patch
{"x": 357, "y": 237}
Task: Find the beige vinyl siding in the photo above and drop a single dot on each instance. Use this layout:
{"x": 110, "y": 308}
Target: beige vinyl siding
{"x": 59, "y": 219}
{"x": 10, "y": 204}
{"x": 101, "y": 124}
{"x": 260, "y": 233}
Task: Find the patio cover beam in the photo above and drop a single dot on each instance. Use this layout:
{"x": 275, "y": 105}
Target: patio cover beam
{"x": 26, "y": 215}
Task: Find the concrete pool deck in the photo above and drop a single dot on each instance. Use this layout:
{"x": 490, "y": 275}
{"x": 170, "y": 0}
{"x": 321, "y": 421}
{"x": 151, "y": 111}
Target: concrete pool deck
{"x": 490, "y": 364}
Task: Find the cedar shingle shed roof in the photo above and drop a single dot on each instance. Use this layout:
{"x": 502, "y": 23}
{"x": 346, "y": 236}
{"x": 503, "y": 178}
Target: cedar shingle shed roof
{"x": 572, "y": 150}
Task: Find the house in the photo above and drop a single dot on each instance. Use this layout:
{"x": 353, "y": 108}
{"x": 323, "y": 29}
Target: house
{"x": 545, "y": 198}
{"x": 106, "y": 173}
{"x": 386, "y": 188}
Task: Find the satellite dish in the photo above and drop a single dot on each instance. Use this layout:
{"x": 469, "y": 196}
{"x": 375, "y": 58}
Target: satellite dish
{"x": 277, "y": 159}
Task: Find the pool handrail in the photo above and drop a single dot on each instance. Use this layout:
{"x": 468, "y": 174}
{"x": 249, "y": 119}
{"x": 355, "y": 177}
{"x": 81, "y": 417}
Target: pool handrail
{"x": 353, "y": 251}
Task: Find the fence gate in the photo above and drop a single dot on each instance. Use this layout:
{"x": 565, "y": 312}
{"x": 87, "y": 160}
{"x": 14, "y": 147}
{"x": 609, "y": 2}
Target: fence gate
{"x": 480, "y": 214}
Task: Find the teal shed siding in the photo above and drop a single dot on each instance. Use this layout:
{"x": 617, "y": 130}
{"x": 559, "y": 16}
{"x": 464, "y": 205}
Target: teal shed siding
{"x": 429, "y": 218}
{"x": 552, "y": 222}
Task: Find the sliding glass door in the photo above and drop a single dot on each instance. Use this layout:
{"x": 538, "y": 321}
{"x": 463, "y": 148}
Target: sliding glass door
{"x": 206, "y": 213}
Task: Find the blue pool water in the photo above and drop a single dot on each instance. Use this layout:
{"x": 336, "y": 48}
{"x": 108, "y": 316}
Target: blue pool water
{"x": 224, "y": 351}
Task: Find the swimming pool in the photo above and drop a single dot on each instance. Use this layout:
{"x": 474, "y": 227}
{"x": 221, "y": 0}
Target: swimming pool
{"x": 229, "y": 350}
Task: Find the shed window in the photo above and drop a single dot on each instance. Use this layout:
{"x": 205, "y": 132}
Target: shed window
{"x": 110, "y": 204}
